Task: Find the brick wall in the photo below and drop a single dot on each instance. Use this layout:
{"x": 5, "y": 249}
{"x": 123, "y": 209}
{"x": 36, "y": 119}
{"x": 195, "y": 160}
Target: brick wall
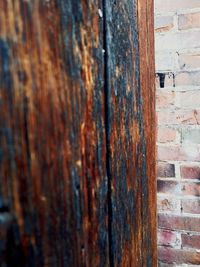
{"x": 177, "y": 32}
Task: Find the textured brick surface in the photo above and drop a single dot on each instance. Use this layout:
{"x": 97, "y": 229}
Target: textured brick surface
{"x": 163, "y": 23}
{"x": 161, "y": 7}
{"x": 177, "y": 43}
{"x": 177, "y": 40}
{"x": 165, "y": 61}
{"x": 190, "y": 241}
{"x": 168, "y": 204}
{"x": 190, "y": 136}
{"x": 169, "y": 238}
{"x": 188, "y": 99}
{"x": 191, "y": 189}
{"x": 188, "y": 21}
{"x": 178, "y": 153}
{"x": 165, "y": 135}
{"x": 169, "y": 187}
{"x": 191, "y": 206}
{"x": 188, "y": 78}
{"x": 188, "y": 61}
{"x": 179, "y": 222}
{"x": 177, "y": 117}
{"x": 171, "y": 255}
{"x": 190, "y": 172}
{"x": 165, "y": 99}
{"x": 165, "y": 170}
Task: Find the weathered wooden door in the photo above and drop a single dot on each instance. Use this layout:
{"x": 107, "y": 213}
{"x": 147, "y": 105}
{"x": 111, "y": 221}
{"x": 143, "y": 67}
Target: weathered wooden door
{"x": 77, "y": 133}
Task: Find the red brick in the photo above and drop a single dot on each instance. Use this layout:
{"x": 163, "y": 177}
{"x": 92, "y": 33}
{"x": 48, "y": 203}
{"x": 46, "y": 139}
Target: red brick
{"x": 178, "y": 153}
{"x": 168, "y": 238}
{"x": 167, "y": 153}
{"x": 188, "y": 21}
{"x": 192, "y": 189}
{"x": 190, "y": 206}
{"x": 190, "y": 241}
{"x": 178, "y": 256}
{"x": 165, "y": 170}
{"x": 178, "y": 222}
{"x": 164, "y": 99}
{"x": 190, "y": 172}
{"x": 168, "y": 187}
{"x": 178, "y": 117}
{"x": 168, "y": 204}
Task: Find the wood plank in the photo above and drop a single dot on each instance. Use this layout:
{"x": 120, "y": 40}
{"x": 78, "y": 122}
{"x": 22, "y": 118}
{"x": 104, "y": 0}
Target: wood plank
{"x": 131, "y": 135}
{"x": 52, "y": 133}
{"x": 147, "y": 84}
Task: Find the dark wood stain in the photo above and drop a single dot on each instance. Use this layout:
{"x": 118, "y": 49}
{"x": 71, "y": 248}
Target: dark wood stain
{"x": 77, "y": 166}
{"x": 130, "y": 133}
{"x": 53, "y": 154}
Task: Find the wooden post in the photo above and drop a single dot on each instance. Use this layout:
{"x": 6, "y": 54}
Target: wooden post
{"x": 131, "y": 132}
{"x": 77, "y": 133}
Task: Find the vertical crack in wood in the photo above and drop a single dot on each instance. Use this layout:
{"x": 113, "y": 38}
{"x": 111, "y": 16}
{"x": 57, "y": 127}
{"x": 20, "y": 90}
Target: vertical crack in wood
{"x": 107, "y": 129}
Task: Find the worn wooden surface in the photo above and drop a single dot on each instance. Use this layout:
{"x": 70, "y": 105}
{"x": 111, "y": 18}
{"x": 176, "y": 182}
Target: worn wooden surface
{"x": 130, "y": 134}
{"x": 77, "y": 140}
{"x": 53, "y": 152}
{"x": 147, "y": 85}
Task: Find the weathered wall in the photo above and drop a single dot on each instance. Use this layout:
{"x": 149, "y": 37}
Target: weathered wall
{"x": 177, "y": 27}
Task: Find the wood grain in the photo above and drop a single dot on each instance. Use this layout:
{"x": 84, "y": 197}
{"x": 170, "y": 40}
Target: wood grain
{"x": 53, "y": 152}
{"x": 77, "y": 134}
{"x": 130, "y": 132}
{"x": 147, "y": 84}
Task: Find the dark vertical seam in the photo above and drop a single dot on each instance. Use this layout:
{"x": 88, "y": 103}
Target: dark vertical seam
{"x": 107, "y": 132}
